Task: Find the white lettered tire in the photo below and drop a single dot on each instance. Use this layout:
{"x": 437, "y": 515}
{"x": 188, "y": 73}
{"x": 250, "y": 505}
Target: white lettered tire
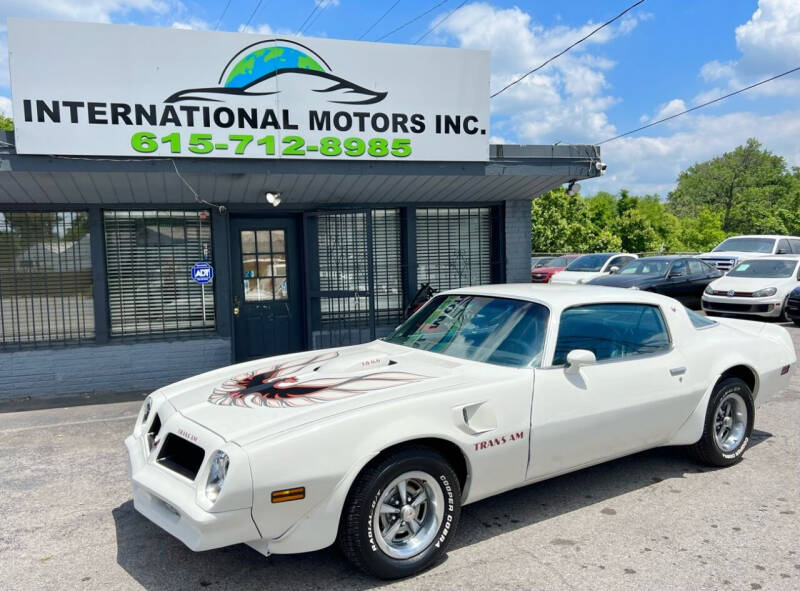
{"x": 729, "y": 423}
{"x": 401, "y": 513}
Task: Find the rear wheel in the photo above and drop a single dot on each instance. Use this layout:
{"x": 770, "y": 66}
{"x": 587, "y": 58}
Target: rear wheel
{"x": 401, "y": 514}
{"x": 729, "y": 423}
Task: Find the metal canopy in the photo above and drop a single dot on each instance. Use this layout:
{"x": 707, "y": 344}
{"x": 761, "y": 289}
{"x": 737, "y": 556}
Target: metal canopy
{"x": 513, "y": 172}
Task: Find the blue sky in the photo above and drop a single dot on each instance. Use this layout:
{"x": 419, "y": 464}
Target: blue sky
{"x": 664, "y": 56}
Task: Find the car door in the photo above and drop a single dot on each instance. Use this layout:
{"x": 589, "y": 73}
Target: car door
{"x": 632, "y": 398}
{"x": 700, "y": 275}
{"x": 678, "y": 282}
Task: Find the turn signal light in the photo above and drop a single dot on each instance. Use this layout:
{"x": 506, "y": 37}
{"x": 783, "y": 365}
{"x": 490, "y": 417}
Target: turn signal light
{"x": 289, "y": 494}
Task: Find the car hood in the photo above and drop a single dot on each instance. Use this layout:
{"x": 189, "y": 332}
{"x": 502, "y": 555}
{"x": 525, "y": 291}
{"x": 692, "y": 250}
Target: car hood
{"x": 751, "y": 284}
{"x": 627, "y": 280}
{"x": 248, "y": 401}
{"x": 576, "y": 276}
{"x": 548, "y": 270}
{"x": 734, "y": 254}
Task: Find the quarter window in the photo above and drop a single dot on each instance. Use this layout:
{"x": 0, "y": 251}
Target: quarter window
{"x": 795, "y": 244}
{"x": 611, "y": 331}
{"x": 783, "y": 247}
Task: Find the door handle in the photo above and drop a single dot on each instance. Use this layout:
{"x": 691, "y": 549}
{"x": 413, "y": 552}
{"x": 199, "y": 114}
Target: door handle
{"x": 677, "y": 371}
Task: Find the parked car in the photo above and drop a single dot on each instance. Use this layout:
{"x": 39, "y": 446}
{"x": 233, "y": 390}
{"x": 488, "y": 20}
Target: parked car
{"x": 586, "y": 267}
{"x": 555, "y": 265}
{"x": 378, "y": 446}
{"x": 540, "y": 261}
{"x": 759, "y": 287}
{"x": 793, "y": 306}
{"x": 730, "y": 251}
{"x": 680, "y": 277}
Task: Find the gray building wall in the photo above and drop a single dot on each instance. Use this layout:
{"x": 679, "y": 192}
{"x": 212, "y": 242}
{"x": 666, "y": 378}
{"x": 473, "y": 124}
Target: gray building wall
{"x": 518, "y": 241}
{"x": 144, "y": 366}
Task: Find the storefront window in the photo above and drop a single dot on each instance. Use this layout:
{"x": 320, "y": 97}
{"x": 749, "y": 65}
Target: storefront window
{"x": 454, "y": 247}
{"x": 149, "y": 258}
{"x": 45, "y": 278}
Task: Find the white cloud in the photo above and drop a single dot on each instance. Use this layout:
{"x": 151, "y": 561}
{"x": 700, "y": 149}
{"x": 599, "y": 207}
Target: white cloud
{"x": 770, "y": 44}
{"x": 192, "y": 23}
{"x": 564, "y": 101}
{"x": 652, "y": 164}
{"x": 5, "y": 106}
{"x": 81, "y": 10}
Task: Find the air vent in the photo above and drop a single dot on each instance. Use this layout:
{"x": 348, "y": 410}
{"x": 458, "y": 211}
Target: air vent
{"x": 181, "y": 456}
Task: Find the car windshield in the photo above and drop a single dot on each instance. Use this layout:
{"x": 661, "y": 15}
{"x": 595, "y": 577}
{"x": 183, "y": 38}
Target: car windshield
{"x": 645, "y": 267}
{"x": 542, "y": 262}
{"x": 767, "y": 269}
{"x": 589, "y": 262}
{"x": 746, "y": 245}
{"x": 493, "y": 330}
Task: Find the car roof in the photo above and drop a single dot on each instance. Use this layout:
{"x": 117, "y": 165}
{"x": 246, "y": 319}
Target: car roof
{"x": 762, "y": 236}
{"x": 666, "y": 257}
{"x": 774, "y": 257}
{"x": 559, "y": 297}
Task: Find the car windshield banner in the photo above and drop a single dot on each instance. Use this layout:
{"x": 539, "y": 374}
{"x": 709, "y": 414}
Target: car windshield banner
{"x": 113, "y": 90}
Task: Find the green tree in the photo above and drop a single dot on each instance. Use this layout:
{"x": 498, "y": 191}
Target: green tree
{"x": 703, "y": 231}
{"x": 636, "y": 233}
{"x": 602, "y": 209}
{"x": 6, "y": 123}
{"x": 744, "y": 185}
{"x": 561, "y": 223}
{"x": 666, "y": 225}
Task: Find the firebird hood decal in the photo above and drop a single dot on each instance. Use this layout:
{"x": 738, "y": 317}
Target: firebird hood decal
{"x": 302, "y": 382}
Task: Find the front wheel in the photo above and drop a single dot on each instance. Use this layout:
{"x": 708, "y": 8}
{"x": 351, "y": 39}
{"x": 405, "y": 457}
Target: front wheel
{"x": 401, "y": 514}
{"x": 728, "y": 425}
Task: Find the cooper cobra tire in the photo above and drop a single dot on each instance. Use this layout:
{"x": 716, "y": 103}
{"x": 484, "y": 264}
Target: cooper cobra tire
{"x": 373, "y": 508}
{"x": 728, "y": 425}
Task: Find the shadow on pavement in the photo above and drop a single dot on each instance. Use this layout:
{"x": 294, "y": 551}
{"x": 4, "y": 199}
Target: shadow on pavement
{"x": 160, "y": 562}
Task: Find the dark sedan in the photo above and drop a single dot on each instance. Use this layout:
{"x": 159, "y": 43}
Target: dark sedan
{"x": 680, "y": 277}
{"x": 793, "y": 306}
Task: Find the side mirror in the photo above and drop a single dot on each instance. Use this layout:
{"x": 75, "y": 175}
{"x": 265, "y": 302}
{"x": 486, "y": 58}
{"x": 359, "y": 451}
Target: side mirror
{"x": 613, "y": 269}
{"x": 677, "y": 274}
{"x": 781, "y": 251}
{"x": 577, "y": 358}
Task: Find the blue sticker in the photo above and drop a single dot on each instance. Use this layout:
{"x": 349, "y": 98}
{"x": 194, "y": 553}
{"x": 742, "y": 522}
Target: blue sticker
{"x": 202, "y": 272}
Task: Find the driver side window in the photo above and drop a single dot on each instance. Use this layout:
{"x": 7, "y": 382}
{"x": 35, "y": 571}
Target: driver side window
{"x": 611, "y": 331}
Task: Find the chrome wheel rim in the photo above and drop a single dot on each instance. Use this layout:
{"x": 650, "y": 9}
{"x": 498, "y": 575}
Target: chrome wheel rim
{"x": 408, "y": 514}
{"x": 730, "y": 422}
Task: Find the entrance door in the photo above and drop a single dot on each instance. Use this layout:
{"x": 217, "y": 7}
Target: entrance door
{"x": 266, "y": 287}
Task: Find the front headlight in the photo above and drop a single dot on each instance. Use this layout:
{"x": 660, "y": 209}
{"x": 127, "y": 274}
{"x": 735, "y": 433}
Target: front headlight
{"x": 216, "y": 475}
{"x": 765, "y": 293}
{"x": 146, "y": 408}
{"x": 709, "y": 290}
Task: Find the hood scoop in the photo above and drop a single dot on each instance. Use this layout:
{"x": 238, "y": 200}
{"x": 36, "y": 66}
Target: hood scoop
{"x": 364, "y": 361}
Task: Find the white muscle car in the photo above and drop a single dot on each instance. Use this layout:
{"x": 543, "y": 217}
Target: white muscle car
{"x": 378, "y": 446}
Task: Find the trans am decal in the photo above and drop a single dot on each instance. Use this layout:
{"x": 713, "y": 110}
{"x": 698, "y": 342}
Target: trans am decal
{"x": 280, "y": 385}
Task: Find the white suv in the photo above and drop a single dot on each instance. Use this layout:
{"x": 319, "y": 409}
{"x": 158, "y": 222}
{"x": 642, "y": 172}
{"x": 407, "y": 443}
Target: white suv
{"x": 730, "y": 251}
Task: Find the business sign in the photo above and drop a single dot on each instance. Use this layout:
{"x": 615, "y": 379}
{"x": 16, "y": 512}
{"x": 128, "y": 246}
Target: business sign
{"x": 112, "y": 90}
{"x": 202, "y": 272}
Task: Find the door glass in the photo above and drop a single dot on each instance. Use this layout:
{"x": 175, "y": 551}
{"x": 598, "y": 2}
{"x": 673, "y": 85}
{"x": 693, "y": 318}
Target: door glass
{"x": 611, "y": 331}
{"x": 264, "y": 265}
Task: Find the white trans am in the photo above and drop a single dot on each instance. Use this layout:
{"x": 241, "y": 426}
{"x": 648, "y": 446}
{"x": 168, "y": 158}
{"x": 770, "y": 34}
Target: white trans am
{"x": 378, "y": 446}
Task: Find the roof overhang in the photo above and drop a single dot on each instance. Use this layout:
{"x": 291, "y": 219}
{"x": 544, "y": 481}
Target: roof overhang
{"x": 512, "y": 172}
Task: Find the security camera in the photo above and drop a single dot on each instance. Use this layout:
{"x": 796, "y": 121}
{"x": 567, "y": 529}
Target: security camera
{"x": 273, "y": 198}
{"x": 601, "y": 167}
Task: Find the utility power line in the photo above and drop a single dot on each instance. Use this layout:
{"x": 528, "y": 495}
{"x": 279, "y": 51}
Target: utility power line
{"x": 224, "y": 12}
{"x": 415, "y": 19}
{"x": 436, "y": 26}
{"x": 581, "y": 40}
{"x": 253, "y": 14}
{"x": 383, "y": 16}
{"x": 323, "y": 5}
{"x": 700, "y": 106}
{"x": 308, "y": 16}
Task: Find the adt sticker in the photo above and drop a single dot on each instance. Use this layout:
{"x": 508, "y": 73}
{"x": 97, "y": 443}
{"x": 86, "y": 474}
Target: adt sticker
{"x": 202, "y": 272}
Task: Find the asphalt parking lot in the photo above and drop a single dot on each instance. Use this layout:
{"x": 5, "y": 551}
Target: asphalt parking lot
{"x": 655, "y": 520}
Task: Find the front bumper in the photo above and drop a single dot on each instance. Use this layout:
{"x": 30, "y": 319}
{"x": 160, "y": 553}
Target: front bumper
{"x": 765, "y": 307}
{"x": 172, "y": 501}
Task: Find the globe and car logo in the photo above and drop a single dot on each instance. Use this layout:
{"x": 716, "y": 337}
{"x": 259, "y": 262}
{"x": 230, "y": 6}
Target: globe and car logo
{"x": 254, "y": 70}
